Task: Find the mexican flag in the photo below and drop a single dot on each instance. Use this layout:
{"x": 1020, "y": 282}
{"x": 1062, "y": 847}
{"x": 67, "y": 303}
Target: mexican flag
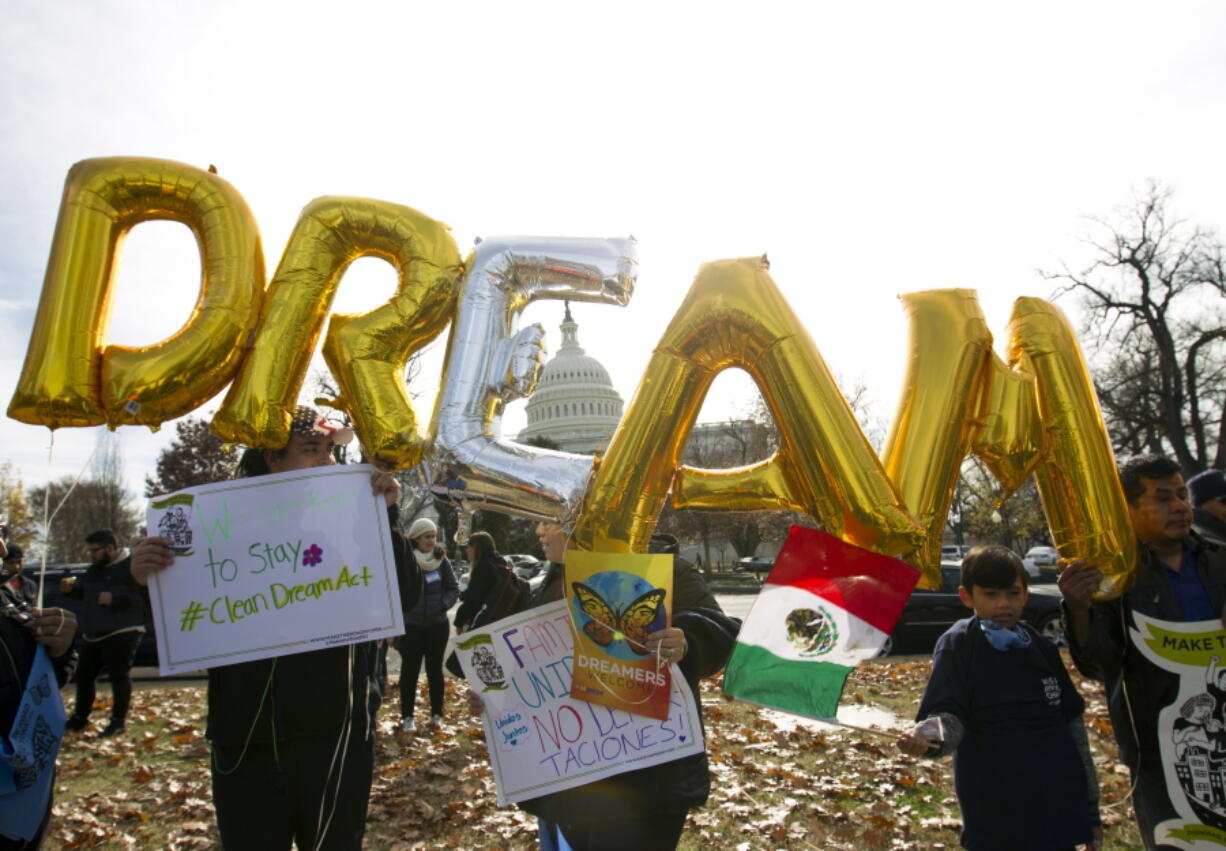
{"x": 826, "y": 606}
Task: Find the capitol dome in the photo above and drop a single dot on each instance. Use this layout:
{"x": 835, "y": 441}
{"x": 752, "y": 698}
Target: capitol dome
{"x": 574, "y": 404}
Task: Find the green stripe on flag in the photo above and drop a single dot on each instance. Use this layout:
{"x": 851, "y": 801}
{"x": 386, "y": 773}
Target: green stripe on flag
{"x": 804, "y": 688}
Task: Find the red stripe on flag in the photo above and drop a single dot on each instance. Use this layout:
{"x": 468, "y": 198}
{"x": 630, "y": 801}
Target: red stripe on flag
{"x": 868, "y": 585}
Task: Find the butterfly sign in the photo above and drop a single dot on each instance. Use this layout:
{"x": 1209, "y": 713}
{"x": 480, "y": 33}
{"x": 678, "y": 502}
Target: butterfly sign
{"x": 614, "y": 601}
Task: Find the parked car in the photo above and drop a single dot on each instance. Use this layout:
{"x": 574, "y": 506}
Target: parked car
{"x": 952, "y": 552}
{"x": 524, "y": 565}
{"x": 461, "y": 569}
{"x": 1042, "y": 563}
{"x": 754, "y": 564}
{"x": 1044, "y": 556}
{"x": 929, "y": 613}
{"x": 53, "y": 597}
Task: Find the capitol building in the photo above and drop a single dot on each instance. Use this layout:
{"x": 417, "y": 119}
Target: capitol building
{"x": 574, "y": 404}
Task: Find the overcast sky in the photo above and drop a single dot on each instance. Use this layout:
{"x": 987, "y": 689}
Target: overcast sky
{"x": 869, "y": 149}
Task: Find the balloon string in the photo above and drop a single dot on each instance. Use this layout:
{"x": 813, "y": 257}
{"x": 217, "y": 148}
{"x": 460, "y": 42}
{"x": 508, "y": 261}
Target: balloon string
{"x": 48, "y": 518}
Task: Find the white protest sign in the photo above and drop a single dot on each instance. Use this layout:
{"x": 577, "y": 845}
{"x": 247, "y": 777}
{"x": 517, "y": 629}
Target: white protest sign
{"x": 273, "y": 565}
{"x": 1191, "y": 736}
{"x": 539, "y": 739}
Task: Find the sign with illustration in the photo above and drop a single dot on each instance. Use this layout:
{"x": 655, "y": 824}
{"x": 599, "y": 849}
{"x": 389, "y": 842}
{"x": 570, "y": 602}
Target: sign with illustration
{"x": 615, "y": 601}
{"x": 1191, "y": 731}
{"x": 541, "y": 740}
{"x": 272, "y": 565}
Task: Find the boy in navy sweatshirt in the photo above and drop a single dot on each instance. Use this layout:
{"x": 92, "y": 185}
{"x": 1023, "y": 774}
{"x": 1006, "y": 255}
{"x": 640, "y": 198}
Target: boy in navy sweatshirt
{"x": 1001, "y": 701}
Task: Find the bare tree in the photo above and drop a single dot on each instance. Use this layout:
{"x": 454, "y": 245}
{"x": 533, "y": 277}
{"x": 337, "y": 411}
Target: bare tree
{"x": 1154, "y": 318}
{"x": 983, "y": 514}
{"x": 99, "y": 501}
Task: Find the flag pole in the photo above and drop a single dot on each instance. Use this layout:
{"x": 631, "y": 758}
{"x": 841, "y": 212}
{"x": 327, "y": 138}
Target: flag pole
{"x": 892, "y": 735}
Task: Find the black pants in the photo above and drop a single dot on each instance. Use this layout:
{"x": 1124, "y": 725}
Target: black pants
{"x": 418, "y": 643}
{"x": 115, "y": 653}
{"x": 267, "y": 800}
{"x": 660, "y": 832}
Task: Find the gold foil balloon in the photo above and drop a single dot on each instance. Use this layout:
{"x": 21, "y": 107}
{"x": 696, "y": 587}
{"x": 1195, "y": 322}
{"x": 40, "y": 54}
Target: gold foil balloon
{"x": 934, "y": 424}
{"x": 366, "y": 353}
{"x": 1077, "y": 478}
{"x": 1010, "y": 436}
{"x": 735, "y": 316}
{"x": 68, "y": 378}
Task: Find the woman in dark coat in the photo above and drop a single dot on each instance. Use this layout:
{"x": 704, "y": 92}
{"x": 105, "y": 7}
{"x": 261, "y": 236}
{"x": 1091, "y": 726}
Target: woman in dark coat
{"x": 486, "y": 563}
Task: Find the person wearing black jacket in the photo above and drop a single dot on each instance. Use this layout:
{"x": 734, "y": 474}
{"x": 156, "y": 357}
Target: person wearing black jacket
{"x": 22, "y": 629}
{"x": 293, "y": 736}
{"x": 483, "y": 578}
{"x": 643, "y": 809}
{"x": 112, "y": 623}
{"x": 1179, "y": 577}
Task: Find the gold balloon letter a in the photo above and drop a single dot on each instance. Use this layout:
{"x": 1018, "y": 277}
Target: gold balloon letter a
{"x": 735, "y": 316}
{"x": 365, "y": 353}
{"x": 68, "y": 379}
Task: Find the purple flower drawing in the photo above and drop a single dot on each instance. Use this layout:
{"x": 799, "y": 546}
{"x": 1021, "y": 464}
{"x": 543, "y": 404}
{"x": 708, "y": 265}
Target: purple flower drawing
{"x": 312, "y": 556}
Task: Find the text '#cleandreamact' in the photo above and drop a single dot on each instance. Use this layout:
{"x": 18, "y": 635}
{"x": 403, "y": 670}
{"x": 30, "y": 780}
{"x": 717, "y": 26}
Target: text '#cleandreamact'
{"x": 227, "y": 609}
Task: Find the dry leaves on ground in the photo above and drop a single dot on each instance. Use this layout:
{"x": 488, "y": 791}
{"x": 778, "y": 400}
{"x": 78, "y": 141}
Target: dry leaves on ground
{"x": 776, "y": 784}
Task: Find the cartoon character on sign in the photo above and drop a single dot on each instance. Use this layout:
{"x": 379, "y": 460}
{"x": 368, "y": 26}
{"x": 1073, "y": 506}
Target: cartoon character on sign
{"x": 175, "y": 525}
{"x": 1200, "y": 748}
{"x": 1191, "y": 732}
{"x": 484, "y": 661}
{"x": 1195, "y": 728}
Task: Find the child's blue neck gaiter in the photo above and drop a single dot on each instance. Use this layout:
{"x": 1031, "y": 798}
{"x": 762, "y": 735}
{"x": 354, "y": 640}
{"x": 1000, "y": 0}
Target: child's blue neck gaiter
{"x": 1002, "y": 638}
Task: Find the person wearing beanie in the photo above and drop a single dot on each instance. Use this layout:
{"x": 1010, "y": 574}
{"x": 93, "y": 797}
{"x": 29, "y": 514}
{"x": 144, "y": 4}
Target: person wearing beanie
{"x": 1207, "y": 493}
{"x": 426, "y": 629}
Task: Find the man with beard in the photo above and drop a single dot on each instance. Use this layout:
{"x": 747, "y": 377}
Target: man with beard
{"x": 112, "y": 623}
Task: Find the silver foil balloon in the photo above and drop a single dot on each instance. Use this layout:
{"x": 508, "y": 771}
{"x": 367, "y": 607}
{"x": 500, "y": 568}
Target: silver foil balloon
{"x": 489, "y": 363}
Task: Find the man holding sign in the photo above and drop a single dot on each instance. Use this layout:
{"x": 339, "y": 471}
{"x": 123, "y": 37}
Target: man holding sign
{"x": 292, "y": 736}
{"x": 1180, "y": 579}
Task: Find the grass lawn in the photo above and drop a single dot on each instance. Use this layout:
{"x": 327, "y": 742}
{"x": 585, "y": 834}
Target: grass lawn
{"x": 775, "y": 784}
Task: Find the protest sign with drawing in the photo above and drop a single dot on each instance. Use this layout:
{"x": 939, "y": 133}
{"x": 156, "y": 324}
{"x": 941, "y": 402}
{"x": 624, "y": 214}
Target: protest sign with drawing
{"x": 540, "y": 740}
{"x": 278, "y": 564}
{"x": 616, "y": 600}
{"x": 1191, "y": 736}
